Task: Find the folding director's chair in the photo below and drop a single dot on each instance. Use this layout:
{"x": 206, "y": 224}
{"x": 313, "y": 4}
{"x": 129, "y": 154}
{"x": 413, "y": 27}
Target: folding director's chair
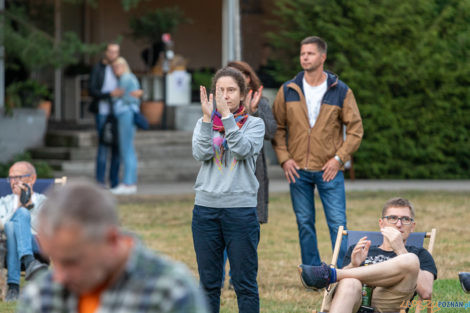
{"x": 40, "y": 186}
{"x": 415, "y": 239}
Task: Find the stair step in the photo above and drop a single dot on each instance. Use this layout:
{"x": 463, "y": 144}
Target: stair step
{"x": 144, "y": 151}
{"x": 162, "y": 155}
{"x": 87, "y": 138}
{"x": 78, "y": 166}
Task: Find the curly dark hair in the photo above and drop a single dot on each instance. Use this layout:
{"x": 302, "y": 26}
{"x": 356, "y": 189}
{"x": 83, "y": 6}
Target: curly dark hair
{"x": 231, "y": 72}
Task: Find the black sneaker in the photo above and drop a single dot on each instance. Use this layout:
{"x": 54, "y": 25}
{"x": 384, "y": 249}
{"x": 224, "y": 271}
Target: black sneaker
{"x": 12, "y": 295}
{"x": 315, "y": 277}
{"x": 34, "y": 268}
{"x": 464, "y": 278}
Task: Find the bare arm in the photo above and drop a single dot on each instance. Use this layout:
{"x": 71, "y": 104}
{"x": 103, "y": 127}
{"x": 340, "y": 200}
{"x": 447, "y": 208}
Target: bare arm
{"x": 425, "y": 279}
{"x": 424, "y": 284}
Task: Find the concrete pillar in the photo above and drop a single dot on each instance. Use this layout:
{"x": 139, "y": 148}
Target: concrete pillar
{"x": 231, "y": 42}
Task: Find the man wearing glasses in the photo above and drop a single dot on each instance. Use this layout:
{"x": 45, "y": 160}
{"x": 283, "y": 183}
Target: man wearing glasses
{"x": 18, "y": 213}
{"x": 395, "y": 270}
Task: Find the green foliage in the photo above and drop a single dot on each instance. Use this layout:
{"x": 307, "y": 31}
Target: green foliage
{"x": 27, "y": 37}
{"x": 152, "y": 25}
{"x": 202, "y": 77}
{"x": 27, "y": 94}
{"x": 43, "y": 170}
{"x": 407, "y": 63}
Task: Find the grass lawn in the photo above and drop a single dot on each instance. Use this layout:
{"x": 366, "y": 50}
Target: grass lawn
{"x": 164, "y": 224}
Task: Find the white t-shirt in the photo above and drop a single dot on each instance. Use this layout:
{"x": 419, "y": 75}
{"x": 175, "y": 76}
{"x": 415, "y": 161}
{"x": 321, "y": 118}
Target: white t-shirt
{"x": 313, "y": 96}
{"x": 109, "y": 84}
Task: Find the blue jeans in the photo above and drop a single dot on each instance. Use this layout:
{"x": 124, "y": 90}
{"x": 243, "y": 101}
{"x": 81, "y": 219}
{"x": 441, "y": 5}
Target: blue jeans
{"x": 126, "y": 130}
{"x": 20, "y": 242}
{"x": 102, "y": 157}
{"x": 238, "y": 230}
{"x": 333, "y": 198}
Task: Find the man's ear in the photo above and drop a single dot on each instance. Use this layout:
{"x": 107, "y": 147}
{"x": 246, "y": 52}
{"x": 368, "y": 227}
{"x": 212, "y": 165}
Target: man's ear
{"x": 381, "y": 223}
{"x": 33, "y": 179}
{"x": 112, "y": 236}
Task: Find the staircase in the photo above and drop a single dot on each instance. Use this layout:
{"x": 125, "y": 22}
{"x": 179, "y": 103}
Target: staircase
{"x": 163, "y": 156}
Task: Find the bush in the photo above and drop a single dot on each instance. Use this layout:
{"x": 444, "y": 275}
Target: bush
{"x": 43, "y": 170}
{"x": 407, "y": 63}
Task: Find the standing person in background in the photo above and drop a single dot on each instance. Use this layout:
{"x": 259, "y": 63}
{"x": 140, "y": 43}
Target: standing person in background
{"x": 124, "y": 109}
{"x": 310, "y": 111}
{"x": 258, "y": 106}
{"x": 103, "y": 86}
{"x": 227, "y": 141}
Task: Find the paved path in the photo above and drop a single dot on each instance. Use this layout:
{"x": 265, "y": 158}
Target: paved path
{"x": 277, "y": 185}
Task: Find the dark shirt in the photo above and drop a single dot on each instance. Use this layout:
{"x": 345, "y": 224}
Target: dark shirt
{"x": 377, "y": 255}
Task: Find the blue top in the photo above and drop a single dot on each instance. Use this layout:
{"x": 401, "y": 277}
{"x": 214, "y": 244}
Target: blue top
{"x": 127, "y": 82}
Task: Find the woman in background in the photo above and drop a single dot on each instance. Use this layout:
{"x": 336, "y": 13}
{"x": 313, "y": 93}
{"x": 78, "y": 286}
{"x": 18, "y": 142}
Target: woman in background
{"x": 258, "y": 106}
{"x": 124, "y": 109}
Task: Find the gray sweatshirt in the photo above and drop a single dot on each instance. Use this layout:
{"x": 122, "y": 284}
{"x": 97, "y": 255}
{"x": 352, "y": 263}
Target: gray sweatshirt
{"x": 230, "y": 181}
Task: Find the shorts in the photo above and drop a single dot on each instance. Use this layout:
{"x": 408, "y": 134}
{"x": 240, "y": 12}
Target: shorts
{"x": 383, "y": 299}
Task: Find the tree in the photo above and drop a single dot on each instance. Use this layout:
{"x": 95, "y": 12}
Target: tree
{"x": 407, "y": 63}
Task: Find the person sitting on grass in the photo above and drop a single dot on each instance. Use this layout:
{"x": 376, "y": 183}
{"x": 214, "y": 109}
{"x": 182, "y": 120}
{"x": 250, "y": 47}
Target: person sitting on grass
{"x": 395, "y": 271}
{"x": 18, "y": 212}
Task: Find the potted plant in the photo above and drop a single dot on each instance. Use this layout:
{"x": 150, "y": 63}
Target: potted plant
{"x": 28, "y": 94}
{"x": 149, "y": 28}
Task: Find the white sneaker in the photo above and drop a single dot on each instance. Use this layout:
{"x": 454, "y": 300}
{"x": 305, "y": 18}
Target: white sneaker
{"x": 122, "y": 189}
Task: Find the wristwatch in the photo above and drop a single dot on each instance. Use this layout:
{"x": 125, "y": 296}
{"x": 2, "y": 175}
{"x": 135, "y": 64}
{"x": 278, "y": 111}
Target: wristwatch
{"x": 337, "y": 158}
{"x": 30, "y": 207}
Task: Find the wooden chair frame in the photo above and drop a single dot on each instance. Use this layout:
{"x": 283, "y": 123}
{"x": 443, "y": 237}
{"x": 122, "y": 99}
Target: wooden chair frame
{"x": 342, "y": 232}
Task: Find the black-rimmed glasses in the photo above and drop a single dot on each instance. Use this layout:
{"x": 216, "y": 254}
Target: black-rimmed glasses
{"x": 405, "y": 220}
{"x": 16, "y": 178}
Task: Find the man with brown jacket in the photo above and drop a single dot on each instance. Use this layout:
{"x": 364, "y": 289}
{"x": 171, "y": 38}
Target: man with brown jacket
{"x": 310, "y": 112}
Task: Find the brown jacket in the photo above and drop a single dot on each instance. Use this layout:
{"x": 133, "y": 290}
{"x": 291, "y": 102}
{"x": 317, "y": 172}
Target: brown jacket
{"x": 312, "y": 147}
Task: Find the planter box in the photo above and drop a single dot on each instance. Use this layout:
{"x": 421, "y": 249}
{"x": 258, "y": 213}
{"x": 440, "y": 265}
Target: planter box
{"x": 25, "y": 129}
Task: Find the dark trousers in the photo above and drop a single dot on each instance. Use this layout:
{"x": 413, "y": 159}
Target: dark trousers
{"x": 102, "y": 158}
{"x": 238, "y": 230}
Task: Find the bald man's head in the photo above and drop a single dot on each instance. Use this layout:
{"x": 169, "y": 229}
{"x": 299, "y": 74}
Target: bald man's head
{"x": 20, "y": 173}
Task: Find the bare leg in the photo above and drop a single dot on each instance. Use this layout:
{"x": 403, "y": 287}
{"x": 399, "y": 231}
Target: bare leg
{"x": 348, "y": 294}
{"x": 400, "y": 273}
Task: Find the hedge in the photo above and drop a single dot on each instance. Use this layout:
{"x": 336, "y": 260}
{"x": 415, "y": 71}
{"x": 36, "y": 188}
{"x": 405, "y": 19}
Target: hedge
{"x": 408, "y": 65}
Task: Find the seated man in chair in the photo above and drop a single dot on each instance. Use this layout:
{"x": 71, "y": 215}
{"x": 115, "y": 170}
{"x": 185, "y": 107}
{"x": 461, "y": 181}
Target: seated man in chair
{"x": 395, "y": 271}
{"x": 18, "y": 212}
